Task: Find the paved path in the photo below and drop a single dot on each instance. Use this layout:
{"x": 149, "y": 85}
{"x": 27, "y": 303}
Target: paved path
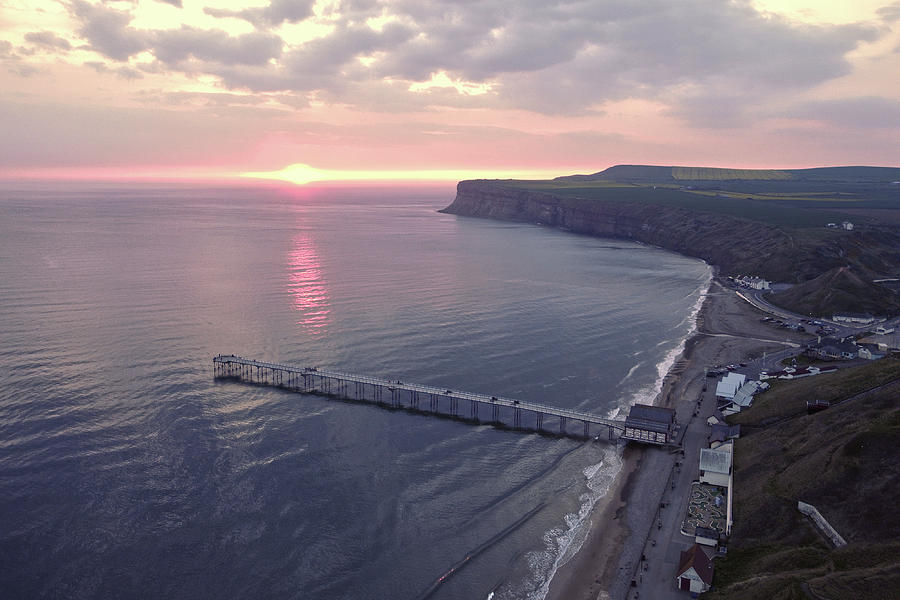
{"x": 655, "y": 576}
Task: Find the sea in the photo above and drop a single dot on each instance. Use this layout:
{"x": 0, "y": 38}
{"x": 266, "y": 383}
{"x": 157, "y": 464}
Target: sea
{"x": 127, "y": 470}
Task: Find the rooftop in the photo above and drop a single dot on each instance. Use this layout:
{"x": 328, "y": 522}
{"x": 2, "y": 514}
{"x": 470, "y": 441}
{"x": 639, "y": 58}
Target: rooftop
{"x": 716, "y": 461}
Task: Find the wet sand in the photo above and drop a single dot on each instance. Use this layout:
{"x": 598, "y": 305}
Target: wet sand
{"x": 728, "y": 331}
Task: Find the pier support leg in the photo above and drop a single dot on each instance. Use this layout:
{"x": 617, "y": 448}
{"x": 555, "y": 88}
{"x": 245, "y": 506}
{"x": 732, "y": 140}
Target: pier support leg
{"x": 517, "y": 418}
{"x": 540, "y": 420}
{"x": 587, "y": 429}
{"x": 562, "y": 424}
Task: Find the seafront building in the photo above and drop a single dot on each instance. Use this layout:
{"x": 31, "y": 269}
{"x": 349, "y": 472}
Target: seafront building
{"x": 695, "y": 570}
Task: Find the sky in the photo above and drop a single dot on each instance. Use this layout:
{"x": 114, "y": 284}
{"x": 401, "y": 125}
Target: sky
{"x": 309, "y": 90}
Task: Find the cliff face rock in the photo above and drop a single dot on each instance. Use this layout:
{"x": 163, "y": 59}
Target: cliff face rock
{"x": 734, "y": 245}
{"x": 719, "y": 240}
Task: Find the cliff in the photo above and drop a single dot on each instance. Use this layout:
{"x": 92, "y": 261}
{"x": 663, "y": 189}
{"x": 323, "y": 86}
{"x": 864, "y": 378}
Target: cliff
{"x": 734, "y": 245}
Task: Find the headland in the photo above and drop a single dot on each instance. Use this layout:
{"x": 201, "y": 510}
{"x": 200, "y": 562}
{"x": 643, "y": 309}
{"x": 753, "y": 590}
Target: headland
{"x": 831, "y": 233}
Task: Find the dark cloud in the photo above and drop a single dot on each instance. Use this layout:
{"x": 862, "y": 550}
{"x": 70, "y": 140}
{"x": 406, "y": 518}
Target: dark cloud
{"x": 276, "y": 13}
{"x": 23, "y": 70}
{"x": 48, "y": 39}
{"x": 867, "y": 112}
{"x": 121, "y": 72}
{"x": 890, "y": 13}
{"x": 569, "y": 56}
{"x": 175, "y": 45}
{"x": 107, "y": 31}
{"x": 701, "y": 57}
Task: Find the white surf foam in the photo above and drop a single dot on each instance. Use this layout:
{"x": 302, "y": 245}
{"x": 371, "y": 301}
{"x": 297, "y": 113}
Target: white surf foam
{"x": 561, "y": 544}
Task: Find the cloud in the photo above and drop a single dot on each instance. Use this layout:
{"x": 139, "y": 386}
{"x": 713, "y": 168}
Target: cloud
{"x": 867, "y": 112}
{"x": 176, "y": 45}
{"x": 563, "y": 57}
{"x": 175, "y": 3}
{"x": 122, "y": 72}
{"x": 890, "y": 13}
{"x": 567, "y": 57}
{"x": 48, "y": 39}
{"x": 276, "y": 13}
{"x": 107, "y": 31}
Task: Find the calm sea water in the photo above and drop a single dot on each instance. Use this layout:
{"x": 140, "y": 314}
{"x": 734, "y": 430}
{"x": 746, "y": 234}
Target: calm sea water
{"x": 127, "y": 471}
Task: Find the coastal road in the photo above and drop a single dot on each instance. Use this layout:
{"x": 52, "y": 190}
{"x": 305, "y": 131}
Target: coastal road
{"x": 755, "y": 298}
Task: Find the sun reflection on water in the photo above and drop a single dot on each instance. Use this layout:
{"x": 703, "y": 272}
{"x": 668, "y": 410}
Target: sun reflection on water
{"x": 306, "y": 284}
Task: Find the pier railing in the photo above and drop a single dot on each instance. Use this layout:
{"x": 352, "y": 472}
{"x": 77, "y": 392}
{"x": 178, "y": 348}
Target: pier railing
{"x": 412, "y": 396}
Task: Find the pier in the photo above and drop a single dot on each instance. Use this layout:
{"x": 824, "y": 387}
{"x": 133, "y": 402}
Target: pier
{"x": 417, "y": 397}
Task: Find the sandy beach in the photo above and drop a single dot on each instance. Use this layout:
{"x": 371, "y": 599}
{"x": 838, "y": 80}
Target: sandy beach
{"x": 728, "y": 331}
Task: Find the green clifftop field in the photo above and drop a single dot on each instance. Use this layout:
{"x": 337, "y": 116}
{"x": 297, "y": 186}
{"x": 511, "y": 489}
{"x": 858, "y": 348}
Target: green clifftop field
{"x": 771, "y": 223}
{"x": 844, "y": 462}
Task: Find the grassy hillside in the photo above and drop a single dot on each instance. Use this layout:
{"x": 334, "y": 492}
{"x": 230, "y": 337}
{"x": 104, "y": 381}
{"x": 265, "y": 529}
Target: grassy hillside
{"x": 795, "y": 198}
{"x": 840, "y": 289}
{"x": 659, "y": 174}
{"x": 712, "y": 174}
{"x": 844, "y": 462}
{"x": 766, "y": 222}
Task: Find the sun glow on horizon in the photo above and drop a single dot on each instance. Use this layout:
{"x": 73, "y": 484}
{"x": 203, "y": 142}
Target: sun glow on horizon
{"x": 301, "y": 174}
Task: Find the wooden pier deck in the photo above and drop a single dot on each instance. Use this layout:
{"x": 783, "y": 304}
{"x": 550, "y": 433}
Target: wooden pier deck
{"x": 413, "y": 396}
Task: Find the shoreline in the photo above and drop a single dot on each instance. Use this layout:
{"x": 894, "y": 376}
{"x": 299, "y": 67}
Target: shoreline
{"x": 621, "y": 522}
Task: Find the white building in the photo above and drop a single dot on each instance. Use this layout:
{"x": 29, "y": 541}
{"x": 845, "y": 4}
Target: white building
{"x": 757, "y": 283}
{"x": 715, "y": 465}
{"x": 729, "y": 385}
{"x": 884, "y": 330}
{"x": 744, "y": 396}
{"x": 855, "y": 318}
{"x": 695, "y": 570}
{"x": 847, "y": 225}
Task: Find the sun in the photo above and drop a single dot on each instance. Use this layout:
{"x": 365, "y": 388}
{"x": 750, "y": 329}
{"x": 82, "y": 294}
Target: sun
{"x": 300, "y": 173}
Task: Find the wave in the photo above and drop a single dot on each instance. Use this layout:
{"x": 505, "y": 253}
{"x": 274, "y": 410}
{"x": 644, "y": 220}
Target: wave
{"x": 630, "y": 372}
{"x": 561, "y": 544}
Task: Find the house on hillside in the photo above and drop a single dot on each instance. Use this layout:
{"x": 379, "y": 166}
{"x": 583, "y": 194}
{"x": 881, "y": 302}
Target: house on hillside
{"x": 833, "y": 349}
{"x": 847, "y": 225}
{"x": 721, "y": 432}
{"x": 883, "y": 330}
{"x": 743, "y": 397}
{"x": 869, "y": 352}
{"x": 756, "y": 283}
{"x": 695, "y": 570}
